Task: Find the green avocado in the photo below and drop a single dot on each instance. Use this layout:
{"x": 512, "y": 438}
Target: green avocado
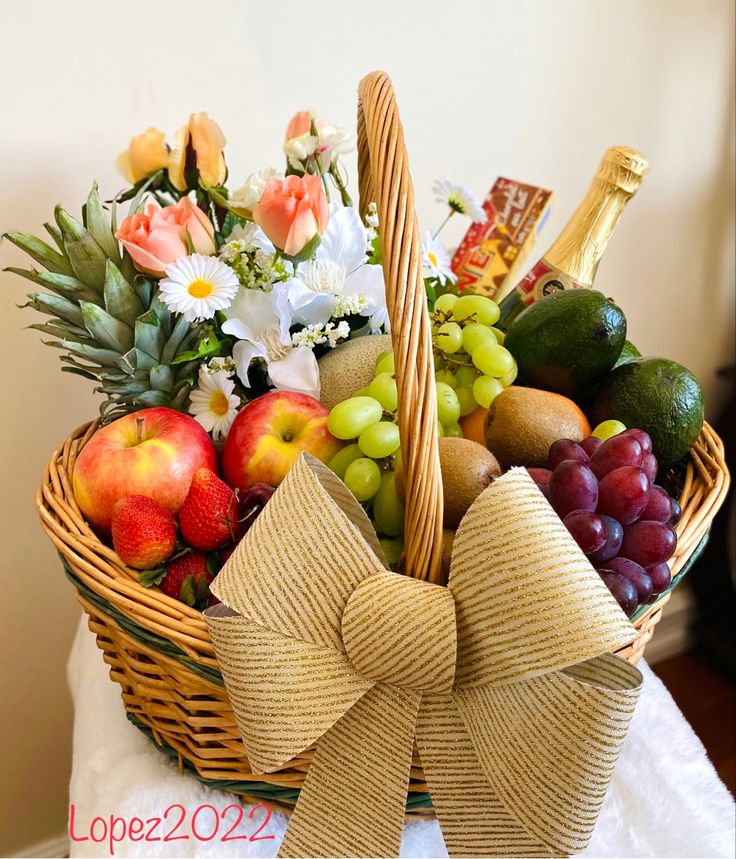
{"x": 658, "y": 396}
{"x": 567, "y": 341}
{"x": 628, "y": 353}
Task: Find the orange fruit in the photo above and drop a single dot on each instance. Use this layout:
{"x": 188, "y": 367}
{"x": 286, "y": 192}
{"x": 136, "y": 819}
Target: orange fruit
{"x": 472, "y": 425}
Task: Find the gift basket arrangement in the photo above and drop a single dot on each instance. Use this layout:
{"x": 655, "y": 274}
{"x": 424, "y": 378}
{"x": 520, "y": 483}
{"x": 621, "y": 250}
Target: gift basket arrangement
{"x": 349, "y": 531}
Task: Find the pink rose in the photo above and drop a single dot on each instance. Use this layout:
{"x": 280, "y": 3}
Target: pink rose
{"x": 292, "y": 212}
{"x": 159, "y": 236}
{"x": 300, "y": 123}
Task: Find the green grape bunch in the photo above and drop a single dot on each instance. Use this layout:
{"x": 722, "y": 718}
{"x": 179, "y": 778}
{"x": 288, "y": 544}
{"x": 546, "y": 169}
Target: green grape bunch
{"x": 469, "y": 355}
{"x": 471, "y": 368}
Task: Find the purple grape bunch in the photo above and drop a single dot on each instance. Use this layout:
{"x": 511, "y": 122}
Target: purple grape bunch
{"x": 606, "y": 496}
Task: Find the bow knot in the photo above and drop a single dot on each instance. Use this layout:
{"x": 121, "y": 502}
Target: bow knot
{"x": 500, "y": 680}
{"x": 401, "y": 631}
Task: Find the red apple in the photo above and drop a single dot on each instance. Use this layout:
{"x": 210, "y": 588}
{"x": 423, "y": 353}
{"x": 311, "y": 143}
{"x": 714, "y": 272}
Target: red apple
{"x": 153, "y": 452}
{"x": 270, "y": 433}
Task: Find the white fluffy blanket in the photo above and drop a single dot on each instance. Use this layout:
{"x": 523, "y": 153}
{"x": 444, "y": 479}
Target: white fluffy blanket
{"x": 665, "y": 800}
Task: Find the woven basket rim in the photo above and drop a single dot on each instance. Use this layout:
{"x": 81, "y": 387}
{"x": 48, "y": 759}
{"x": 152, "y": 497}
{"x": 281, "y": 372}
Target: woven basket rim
{"x": 99, "y": 570}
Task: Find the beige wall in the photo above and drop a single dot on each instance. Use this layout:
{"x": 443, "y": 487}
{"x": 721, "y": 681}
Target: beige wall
{"x": 531, "y": 90}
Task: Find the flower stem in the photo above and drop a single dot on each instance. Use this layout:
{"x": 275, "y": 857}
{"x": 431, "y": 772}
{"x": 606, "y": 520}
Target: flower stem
{"x": 442, "y": 225}
{"x": 340, "y": 183}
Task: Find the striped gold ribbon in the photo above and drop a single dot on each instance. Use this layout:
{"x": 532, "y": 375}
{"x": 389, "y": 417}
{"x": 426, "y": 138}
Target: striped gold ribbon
{"x": 501, "y": 678}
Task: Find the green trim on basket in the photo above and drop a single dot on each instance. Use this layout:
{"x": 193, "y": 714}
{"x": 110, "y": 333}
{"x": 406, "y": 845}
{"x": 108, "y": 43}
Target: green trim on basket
{"x": 256, "y": 789}
{"x": 150, "y": 639}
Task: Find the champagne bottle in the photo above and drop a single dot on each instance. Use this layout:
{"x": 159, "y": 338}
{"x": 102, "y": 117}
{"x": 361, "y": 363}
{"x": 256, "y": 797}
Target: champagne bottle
{"x": 572, "y": 259}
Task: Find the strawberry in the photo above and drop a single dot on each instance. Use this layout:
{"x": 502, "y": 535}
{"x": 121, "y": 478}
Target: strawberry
{"x": 143, "y": 531}
{"x": 209, "y": 516}
{"x": 188, "y": 578}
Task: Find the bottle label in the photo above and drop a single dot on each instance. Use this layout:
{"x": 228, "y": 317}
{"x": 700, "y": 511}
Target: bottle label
{"x": 544, "y": 279}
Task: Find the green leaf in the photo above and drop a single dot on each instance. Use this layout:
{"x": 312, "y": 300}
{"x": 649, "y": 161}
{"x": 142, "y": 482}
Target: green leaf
{"x": 307, "y": 252}
{"x": 55, "y": 305}
{"x": 121, "y": 300}
{"x": 105, "y": 357}
{"x": 78, "y": 371}
{"x": 144, "y": 361}
{"x": 125, "y": 389}
{"x": 163, "y": 314}
{"x": 228, "y": 224}
{"x": 128, "y": 362}
{"x": 142, "y": 285}
{"x": 431, "y": 296}
{"x": 86, "y": 257}
{"x": 106, "y": 330}
{"x": 42, "y": 253}
{"x": 153, "y": 398}
{"x": 149, "y": 335}
{"x": 181, "y": 329}
{"x": 99, "y": 227}
{"x": 137, "y": 201}
{"x": 207, "y": 346}
{"x": 187, "y": 592}
{"x": 62, "y": 284}
{"x": 63, "y": 330}
{"x": 220, "y": 200}
{"x": 148, "y": 578}
{"x": 55, "y": 233}
{"x": 179, "y": 399}
{"x": 202, "y": 594}
{"x": 162, "y": 378}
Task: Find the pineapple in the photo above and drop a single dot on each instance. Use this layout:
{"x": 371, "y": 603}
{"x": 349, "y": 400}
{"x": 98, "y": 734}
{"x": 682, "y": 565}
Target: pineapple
{"x": 106, "y": 316}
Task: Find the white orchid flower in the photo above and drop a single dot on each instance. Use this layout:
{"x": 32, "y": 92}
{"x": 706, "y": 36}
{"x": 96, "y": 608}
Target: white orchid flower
{"x": 261, "y": 322}
{"x": 298, "y": 149}
{"x": 333, "y": 141}
{"x": 338, "y": 281}
{"x": 247, "y": 197}
{"x": 328, "y": 142}
{"x": 252, "y": 236}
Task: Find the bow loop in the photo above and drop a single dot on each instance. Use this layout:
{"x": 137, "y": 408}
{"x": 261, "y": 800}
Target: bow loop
{"x": 285, "y": 693}
{"x": 302, "y": 558}
{"x": 528, "y": 601}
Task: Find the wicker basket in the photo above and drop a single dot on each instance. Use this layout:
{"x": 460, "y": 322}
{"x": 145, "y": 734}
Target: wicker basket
{"x": 159, "y": 650}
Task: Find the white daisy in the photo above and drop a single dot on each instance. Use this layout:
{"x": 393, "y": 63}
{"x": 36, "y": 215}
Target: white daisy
{"x": 436, "y": 260}
{"x": 197, "y": 286}
{"x": 213, "y": 402}
{"x": 459, "y": 199}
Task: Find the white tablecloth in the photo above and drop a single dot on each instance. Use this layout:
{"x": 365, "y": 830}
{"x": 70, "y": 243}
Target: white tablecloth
{"x": 665, "y": 799}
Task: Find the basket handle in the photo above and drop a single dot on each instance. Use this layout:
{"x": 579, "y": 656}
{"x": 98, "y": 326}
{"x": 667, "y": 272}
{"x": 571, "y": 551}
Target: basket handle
{"x": 383, "y": 171}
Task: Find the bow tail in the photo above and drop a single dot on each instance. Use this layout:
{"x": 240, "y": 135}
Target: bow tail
{"x": 285, "y": 693}
{"x": 549, "y": 744}
{"x": 354, "y": 797}
{"x": 473, "y": 819}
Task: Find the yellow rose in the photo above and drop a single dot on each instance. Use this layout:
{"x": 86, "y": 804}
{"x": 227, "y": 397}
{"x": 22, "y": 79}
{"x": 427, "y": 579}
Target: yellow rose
{"x": 146, "y": 154}
{"x": 207, "y": 141}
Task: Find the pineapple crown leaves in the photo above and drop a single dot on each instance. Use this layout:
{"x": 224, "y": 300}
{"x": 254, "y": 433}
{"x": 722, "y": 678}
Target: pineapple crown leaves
{"x": 105, "y": 316}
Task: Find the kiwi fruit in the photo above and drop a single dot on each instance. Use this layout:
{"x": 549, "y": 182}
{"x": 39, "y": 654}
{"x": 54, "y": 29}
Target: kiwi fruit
{"x": 522, "y": 423}
{"x": 349, "y": 367}
{"x": 467, "y": 469}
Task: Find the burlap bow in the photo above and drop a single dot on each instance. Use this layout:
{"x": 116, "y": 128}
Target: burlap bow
{"x": 501, "y": 678}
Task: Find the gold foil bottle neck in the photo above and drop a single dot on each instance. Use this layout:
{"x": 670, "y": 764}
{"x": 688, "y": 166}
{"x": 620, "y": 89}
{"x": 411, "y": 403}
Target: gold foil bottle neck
{"x": 579, "y": 247}
{"x": 623, "y": 167}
